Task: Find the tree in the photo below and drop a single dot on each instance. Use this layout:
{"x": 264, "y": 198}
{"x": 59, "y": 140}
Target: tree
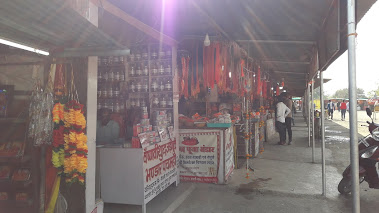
{"x": 374, "y": 93}
{"x": 316, "y": 94}
{"x": 344, "y": 93}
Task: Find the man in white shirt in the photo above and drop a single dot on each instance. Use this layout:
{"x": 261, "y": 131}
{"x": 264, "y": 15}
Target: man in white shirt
{"x": 281, "y": 113}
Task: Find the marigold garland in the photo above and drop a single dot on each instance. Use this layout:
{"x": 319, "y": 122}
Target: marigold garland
{"x": 58, "y": 137}
{"x": 75, "y": 142}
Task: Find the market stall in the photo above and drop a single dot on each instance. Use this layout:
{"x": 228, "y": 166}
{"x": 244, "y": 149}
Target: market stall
{"x": 218, "y": 95}
{"x": 137, "y": 92}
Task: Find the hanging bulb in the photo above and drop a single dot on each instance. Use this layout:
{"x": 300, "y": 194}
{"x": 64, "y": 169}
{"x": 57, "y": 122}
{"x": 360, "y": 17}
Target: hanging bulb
{"x": 207, "y": 42}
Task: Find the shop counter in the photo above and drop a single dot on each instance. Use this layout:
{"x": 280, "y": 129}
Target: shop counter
{"x": 136, "y": 175}
{"x": 206, "y": 154}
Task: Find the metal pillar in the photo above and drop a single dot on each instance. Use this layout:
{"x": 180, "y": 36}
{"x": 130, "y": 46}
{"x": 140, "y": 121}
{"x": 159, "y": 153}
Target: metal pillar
{"x": 322, "y": 133}
{"x": 354, "y": 161}
{"x": 247, "y": 138}
{"x": 309, "y": 115}
{"x": 90, "y": 182}
{"x": 313, "y": 122}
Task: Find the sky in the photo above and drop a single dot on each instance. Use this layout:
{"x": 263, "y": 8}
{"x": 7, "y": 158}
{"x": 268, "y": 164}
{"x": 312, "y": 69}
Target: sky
{"x": 367, "y": 52}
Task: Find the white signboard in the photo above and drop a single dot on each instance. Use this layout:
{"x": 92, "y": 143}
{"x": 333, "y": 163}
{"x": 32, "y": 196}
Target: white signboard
{"x": 199, "y": 156}
{"x": 159, "y": 165}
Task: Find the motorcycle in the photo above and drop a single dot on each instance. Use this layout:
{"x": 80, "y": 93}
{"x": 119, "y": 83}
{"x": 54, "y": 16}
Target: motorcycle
{"x": 368, "y": 149}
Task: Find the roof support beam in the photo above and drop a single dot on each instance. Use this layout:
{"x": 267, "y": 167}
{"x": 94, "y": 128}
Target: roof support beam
{"x": 84, "y": 52}
{"x": 278, "y": 42}
{"x": 287, "y": 62}
{"x": 112, "y": 9}
{"x": 211, "y": 20}
{"x": 288, "y": 72}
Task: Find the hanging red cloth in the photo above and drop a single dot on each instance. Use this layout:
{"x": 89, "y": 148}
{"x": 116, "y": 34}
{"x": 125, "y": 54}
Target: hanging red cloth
{"x": 211, "y": 64}
{"x": 258, "y": 80}
{"x": 242, "y": 66}
{"x": 235, "y": 78}
{"x": 197, "y": 80}
{"x": 217, "y": 63}
{"x": 264, "y": 89}
{"x": 184, "y": 80}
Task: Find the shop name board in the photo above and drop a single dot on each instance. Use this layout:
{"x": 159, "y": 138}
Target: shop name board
{"x": 199, "y": 156}
{"x": 160, "y": 168}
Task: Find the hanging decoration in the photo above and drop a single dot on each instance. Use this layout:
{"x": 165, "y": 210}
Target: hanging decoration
{"x": 60, "y": 92}
{"x": 264, "y": 93}
{"x": 184, "y": 78}
{"x": 75, "y": 139}
{"x": 40, "y": 117}
{"x": 258, "y": 80}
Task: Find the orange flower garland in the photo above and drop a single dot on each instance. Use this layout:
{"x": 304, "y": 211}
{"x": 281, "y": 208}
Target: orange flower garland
{"x": 58, "y": 138}
{"x": 75, "y": 146}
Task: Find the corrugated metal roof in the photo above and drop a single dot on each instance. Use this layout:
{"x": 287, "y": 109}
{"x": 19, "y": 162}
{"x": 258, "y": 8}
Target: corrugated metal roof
{"x": 275, "y": 20}
{"x": 49, "y": 25}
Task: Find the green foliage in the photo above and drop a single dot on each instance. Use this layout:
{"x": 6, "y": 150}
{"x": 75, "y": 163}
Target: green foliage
{"x": 344, "y": 93}
{"x": 374, "y": 93}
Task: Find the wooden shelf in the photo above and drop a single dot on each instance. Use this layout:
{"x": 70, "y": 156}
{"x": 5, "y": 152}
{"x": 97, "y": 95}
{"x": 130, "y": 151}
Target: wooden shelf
{"x": 109, "y": 82}
{"x": 162, "y": 92}
{"x": 138, "y": 93}
{"x": 161, "y": 76}
{"x": 103, "y": 98}
{"x": 14, "y": 120}
{"x": 138, "y": 61}
{"x": 14, "y": 160}
{"x": 138, "y": 77}
{"x": 160, "y": 59}
{"x": 160, "y": 108}
{"x": 110, "y": 66}
{"x": 8, "y": 185}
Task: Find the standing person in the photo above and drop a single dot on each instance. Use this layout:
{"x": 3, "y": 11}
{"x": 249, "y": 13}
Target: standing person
{"x": 338, "y": 106}
{"x": 289, "y": 118}
{"x": 343, "y": 110}
{"x": 281, "y": 119}
{"x": 293, "y": 110}
{"x": 330, "y": 109}
{"x": 107, "y": 130}
{"x": 347, "y": 106}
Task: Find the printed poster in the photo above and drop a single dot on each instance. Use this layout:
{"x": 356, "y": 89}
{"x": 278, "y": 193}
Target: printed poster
{"x": 199, "y": 156}
{"x": 159, "y": 168}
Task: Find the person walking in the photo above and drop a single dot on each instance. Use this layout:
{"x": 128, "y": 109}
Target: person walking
{"x": 343, "y": 110}
{"x": 282, "y": 112}
{"x": 339, "y": 106}
{"x": 330, "y": 108}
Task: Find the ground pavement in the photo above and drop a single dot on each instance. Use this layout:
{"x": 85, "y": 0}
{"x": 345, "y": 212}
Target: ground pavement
{"x": 284, "y": 181}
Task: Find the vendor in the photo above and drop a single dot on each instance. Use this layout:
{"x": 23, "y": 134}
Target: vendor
{"x": 107, "y": 131}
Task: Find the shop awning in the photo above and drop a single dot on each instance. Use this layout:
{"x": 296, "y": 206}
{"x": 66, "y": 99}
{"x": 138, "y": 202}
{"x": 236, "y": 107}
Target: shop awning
{"x": 53, "y": 26}
{"x": 317, "y": 82}
{"x": 280, "y": 34}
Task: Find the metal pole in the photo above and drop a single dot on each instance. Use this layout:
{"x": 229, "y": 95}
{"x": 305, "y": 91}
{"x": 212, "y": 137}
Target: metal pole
{"x": 309, "y": 115}
{"x": 322, "y": 133}
{"x": 247, "y": 138}
{"x": 354, "y": 161}
{"x": 313, "y": 122}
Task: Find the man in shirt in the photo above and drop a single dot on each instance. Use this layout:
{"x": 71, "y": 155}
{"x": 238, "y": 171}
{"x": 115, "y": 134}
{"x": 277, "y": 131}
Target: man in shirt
{"x": 343, "y": 110}
{"x": 281, "y": 113}
{"x": 330, "y": 108}
{"x": 288, "y": 119}
{"x": 107, "y": 131}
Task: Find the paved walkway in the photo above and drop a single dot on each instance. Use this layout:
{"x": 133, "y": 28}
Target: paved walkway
{"x": 284, "y": 180}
